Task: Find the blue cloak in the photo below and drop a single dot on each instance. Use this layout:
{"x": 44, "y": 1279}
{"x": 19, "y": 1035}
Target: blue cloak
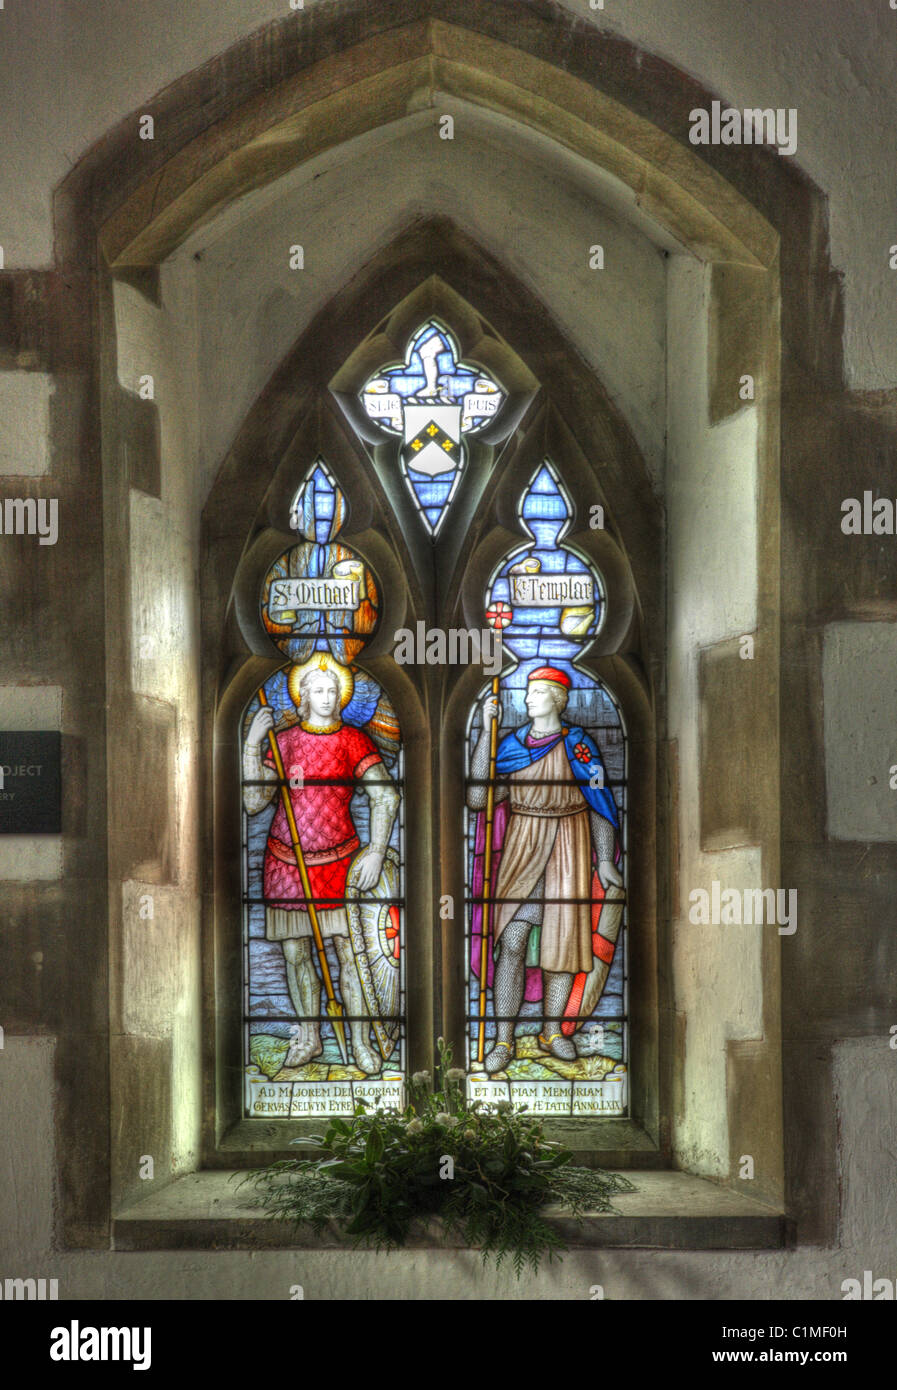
{"x": 582, "y": 755}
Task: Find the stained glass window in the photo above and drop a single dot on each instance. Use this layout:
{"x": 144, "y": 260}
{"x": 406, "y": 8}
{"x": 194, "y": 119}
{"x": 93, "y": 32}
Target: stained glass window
{"x": 431, "y": 400}
{"x": 323, "y": 870}
{"x": 546, "y": 840}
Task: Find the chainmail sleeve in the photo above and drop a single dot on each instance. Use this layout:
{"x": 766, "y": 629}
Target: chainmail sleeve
{"x": 604, "y": 837}
{"x": 478, "y": 791}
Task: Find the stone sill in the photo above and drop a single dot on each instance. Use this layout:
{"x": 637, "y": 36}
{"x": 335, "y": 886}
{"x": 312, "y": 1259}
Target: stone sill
{"x": 669, "y": 1211}
{"x": 612, "y": 1143}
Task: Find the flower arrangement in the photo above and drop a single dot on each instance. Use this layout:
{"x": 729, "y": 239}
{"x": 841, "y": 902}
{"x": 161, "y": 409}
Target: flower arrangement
{"x": 486, "y": 1171}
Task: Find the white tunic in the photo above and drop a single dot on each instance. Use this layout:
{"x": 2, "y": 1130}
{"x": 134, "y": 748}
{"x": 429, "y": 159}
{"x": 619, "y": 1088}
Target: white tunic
{"x": 548, "y": 833}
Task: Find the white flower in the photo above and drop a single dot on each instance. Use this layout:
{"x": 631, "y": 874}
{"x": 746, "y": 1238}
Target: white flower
{"x": 455, "y": 1074}
{"x": 448, "y": 1120}
{"x": 414, "y": 1127}
{"x": 420, "y": 1078}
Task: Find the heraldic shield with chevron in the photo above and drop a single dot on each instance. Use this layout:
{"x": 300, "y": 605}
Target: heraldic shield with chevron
{"x": 432, "y": 438}
{"x": 432, "y": 400}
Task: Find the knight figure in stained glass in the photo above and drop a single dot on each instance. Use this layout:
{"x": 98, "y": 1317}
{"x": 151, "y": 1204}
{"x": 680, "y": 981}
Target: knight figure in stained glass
{"x": 560, "y": 818}
{"x": 546, "y": 803}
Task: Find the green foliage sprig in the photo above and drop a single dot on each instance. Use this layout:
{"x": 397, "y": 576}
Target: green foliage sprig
{"x": 486, "y": 1171}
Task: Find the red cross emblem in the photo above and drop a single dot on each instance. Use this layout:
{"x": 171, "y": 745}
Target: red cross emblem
{"x": 393, "y": 930}
{"x": 582, "y": 753}
{"x": 499, "y": 614}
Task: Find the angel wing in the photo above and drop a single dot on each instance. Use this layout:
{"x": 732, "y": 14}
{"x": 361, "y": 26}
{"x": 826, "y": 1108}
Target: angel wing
{"x": 383, "y": 729}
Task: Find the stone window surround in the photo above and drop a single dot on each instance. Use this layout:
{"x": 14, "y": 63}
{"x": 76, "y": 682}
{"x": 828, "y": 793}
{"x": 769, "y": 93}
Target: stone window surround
{"x": 632, "y": 641}
{"x": 78, "y": 213}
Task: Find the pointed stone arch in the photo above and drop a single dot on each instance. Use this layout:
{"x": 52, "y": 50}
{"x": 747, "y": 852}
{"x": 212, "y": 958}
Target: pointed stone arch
{"x": 398, "y": 62}
{"x": 306, "y": 409}
{"x": 285, "y": 94}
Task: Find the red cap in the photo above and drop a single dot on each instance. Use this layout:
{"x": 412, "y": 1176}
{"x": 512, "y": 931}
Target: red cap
{"x": 550, "y": 673}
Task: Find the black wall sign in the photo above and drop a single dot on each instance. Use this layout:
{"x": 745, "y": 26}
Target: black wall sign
{"x": 31, "y": 788}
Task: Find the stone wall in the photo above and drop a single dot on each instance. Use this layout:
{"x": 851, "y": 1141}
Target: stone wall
{"x": 774, "y": 771}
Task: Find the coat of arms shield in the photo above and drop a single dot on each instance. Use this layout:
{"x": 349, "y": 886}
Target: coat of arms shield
{"x": 432, "y": 438}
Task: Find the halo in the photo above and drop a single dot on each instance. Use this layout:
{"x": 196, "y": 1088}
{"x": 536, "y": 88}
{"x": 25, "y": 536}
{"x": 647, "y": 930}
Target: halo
{"x": 325, "y": 662}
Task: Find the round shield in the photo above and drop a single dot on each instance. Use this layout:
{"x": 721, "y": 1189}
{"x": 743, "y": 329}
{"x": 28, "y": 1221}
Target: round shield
{"x": 374, "y": 927}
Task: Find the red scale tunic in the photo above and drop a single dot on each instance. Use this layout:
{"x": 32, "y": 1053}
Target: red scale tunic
{"x": 326, "y": 831}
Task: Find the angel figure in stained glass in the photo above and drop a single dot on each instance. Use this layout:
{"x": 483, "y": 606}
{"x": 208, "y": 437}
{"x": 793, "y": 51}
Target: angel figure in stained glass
{"x": 325, "y": 761}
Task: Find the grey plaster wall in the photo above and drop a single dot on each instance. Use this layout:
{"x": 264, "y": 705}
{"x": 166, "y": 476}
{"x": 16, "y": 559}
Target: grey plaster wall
{"x": 222, "y": 323}
{"x": 859, "y": 675}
